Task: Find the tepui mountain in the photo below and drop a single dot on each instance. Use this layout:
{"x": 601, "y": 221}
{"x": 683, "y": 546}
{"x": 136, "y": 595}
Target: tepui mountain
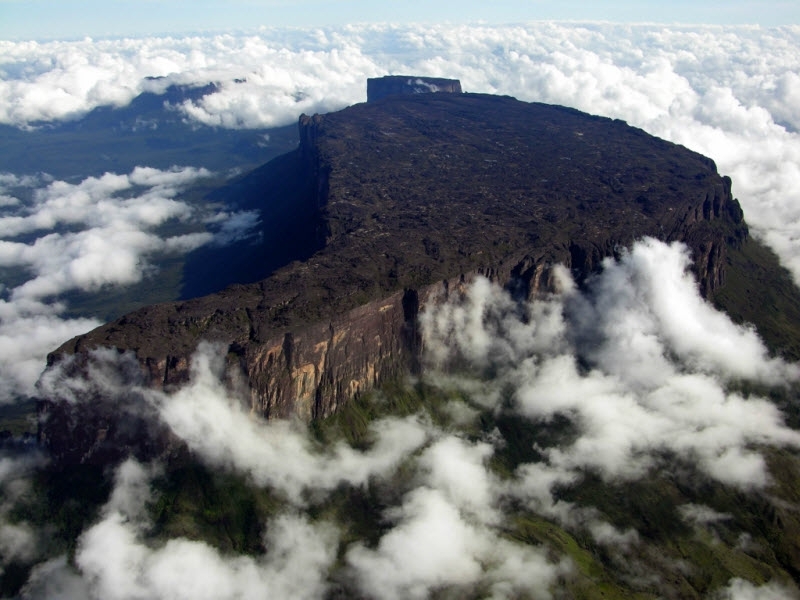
{"x": 392, "y": 204}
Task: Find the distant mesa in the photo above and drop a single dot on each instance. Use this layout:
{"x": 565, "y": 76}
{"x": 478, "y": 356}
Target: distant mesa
{"x": 392, "y": 85}
{"x": 386, "y": 207}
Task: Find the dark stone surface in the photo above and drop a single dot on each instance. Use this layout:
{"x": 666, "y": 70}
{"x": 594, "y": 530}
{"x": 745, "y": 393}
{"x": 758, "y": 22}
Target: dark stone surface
{"x": 403, "y": 199}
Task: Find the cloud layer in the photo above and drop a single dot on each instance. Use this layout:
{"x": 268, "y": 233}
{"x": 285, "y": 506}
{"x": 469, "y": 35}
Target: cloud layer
{"x": 729, "y": 92}
{"x": 639, "y": 366}
{"x": 446, "y": 529}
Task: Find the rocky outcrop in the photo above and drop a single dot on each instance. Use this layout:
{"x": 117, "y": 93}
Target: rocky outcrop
{"x": 311, "y": 371}
{"x": 391, "y": 85}
{"x": 411, "y": 197}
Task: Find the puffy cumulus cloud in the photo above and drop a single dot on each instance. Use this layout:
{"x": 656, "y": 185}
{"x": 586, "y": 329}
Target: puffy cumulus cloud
{"x": 462, "y": 325}
{"x": 19, "y": 541}
{"x": 445, "y": 530}
{"x": 63, "y": 80}
{"x": 445, "y": 526}
{"x": 432, "y": 546}
{"x": 644, "y": 311}
{"x": 276, "y": 85}
{"x": 28, "y": 331}
{"x": 56, "y": 237}
{"x": 278, "y": 454}
{"x": 97, "y": 232}
{"x": 615, "y": 363}
{"x": 728, "y": 92}
{"x": 114, "y": 561}
{"x": 55, "y": 578}
{"x": 261, "y": 80}
{"x": 445, "y": 533}
{"x": 458, "y": 470}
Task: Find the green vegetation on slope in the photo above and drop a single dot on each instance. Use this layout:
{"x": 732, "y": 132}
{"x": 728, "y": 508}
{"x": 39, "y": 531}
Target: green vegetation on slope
{"x": 760, "y": 291}
{"x": 756, "y": 537}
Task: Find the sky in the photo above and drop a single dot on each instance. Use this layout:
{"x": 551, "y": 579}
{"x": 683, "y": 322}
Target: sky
{"x": 74, "y": 19}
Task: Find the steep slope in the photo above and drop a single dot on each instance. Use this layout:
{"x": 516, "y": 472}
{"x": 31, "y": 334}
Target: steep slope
{"x": 407, "y": 197}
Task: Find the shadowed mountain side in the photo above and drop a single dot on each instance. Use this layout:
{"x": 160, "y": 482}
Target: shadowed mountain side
{"x": 284, "y": 197}
{"x": 415, "y": 195}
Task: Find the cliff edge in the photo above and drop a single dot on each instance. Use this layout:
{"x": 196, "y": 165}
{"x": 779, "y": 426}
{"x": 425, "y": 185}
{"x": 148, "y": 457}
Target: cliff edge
{"x": 391, "y": 85}
{"x": 408, "y": 196}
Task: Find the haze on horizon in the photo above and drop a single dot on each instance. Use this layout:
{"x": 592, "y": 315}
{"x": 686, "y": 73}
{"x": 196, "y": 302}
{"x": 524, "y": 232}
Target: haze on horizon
{"x": 76, "y": 19}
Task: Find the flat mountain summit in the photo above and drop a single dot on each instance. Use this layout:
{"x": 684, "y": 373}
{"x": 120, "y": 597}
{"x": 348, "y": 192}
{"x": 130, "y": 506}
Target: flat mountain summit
{"x": 384, "y": 201}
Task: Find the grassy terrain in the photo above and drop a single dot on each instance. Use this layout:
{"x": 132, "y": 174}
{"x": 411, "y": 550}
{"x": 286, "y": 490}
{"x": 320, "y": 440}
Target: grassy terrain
{"x": 18, "y": 418}
{"x": 756, "y": 539}
{"x": 714, "y": 551}
{"x": 760, "y": 291}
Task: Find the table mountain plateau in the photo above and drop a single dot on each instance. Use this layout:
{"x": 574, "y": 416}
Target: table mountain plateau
{"x": 388, "y": 205}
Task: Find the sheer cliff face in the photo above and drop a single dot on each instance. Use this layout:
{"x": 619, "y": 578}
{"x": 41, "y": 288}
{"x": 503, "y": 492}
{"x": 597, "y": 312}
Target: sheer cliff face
{"x": 410, "y": 196}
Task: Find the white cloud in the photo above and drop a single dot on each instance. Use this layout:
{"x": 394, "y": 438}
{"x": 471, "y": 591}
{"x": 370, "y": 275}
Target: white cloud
{"x": 432, "y": 546}
{"x": 446, "y": 533}
{"x": 115, "y": 562}
{"x": 29, "y": 330}
{"x": 235, "y": 227}
{"x": 446, "y": 530}
{"x": 19, "y": 541}
{"x": 700, "y": 514}
{"x": 459, "y": 471}
{"x": 55, "y": 578}
{"x": 740, "y": 589}
{"x": 98, "y": 232}
{"x": 646, "y": 307}
{"x": 278, "y": 454}
{"x": 104, "y": 231}
{"x": 655, "y": 362}
{"x": 656, "y": 365}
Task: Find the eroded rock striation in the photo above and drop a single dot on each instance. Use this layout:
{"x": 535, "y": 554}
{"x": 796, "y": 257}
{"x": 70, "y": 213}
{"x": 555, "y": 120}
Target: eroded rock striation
{"x": 406, "y": 197}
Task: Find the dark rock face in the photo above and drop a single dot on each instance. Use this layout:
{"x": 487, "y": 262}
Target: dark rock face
{"x": 406, "y": 84}
{"x": 414, "y": 195}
